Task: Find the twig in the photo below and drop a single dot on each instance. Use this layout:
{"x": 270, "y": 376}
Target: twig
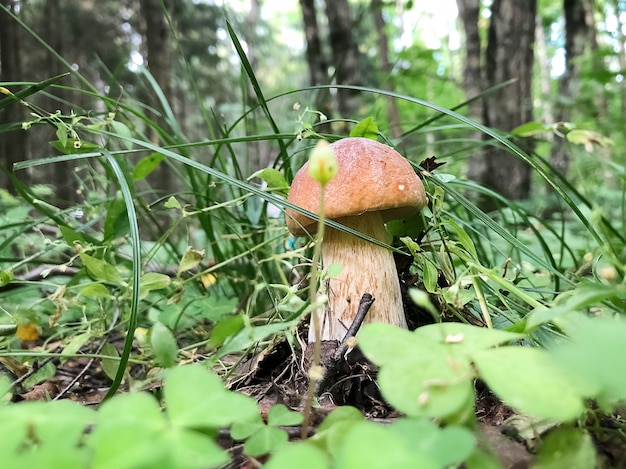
{"x": 364, "y": 306}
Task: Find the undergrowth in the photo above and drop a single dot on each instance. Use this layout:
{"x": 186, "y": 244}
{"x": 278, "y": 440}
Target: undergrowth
{"x": 151, "y": 280}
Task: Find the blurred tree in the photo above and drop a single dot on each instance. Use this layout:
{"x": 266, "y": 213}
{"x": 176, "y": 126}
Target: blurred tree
{"x": 580, "y": 37}
{"x": 393, "y": 113}
{"x": 13, "y": 145}
{"x": 508, "y": 56}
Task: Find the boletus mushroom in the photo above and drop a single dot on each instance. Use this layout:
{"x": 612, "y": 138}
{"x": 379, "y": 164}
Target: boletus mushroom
{"x": 373, "y": 184}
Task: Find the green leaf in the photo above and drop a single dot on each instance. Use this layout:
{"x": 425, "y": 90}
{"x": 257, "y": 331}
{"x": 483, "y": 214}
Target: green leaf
{"x": 164, "y": 345}
{"x": 196, "y": 398}
{"x": 528, "y": 380}
{"x": 74, "y": 146}
{"x": 116, "y": 222}
{"x": 529, "y": 129}
{"x": 95, "y": 289}
{"x": 71, "y": 236}
{"x": 74, "y": 345}
{"x": 370, "y": 446}
{"x": 61, "y": 134}
{"x": 266, "y": 440}
{"x": 587, "y": 138}
{"x": 449, "y": 446}
{"x": 191, "y": 259}
{"x": 109, "y": 365}
{"x": 6, "y": 276}
{"x": 172, "y": 202}
{"x": 597, "y": 354}
{"x": 566, "y": 447}
{"x": 224, "y": 329}
{"x": 251, "y": 335}
{"x": 367, "y": 128}
{"x": 153, "y": 281}
{"x": 281, "y": 415}
{"x": 244, "y": 429}
{"x": 302, "y": 455}
{"x": 418, "y": 375}
{"x": 102, "y": 270}
{"x": 44, "y": 373}
{"x": 274, "y": 179}
{"x": 333, "y": 270}
{"x": 466, "y": 337}
{"x": 146, "y": 165}
{"x": 124, "y": 132}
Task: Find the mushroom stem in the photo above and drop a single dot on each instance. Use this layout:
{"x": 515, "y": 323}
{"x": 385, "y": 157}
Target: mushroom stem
{"x": 366, "y": 268}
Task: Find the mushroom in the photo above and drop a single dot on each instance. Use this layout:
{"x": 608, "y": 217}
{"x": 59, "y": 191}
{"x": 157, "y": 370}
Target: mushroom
{"x": 373, "y": 184}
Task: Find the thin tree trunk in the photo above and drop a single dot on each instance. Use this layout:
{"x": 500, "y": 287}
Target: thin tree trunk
{"x": 318, "y": 64}
{"x": 393, "y": 113}
{"x": 509, "y": 55}
{"x": 576, "y": 40}
{"x": 345, "y": 55}
{"x": 13, "y": 145}
{"x": 473, "y": 84}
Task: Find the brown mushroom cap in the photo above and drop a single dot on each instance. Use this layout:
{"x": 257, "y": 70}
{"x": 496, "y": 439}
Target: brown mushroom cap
{"x": 371, "y": 177}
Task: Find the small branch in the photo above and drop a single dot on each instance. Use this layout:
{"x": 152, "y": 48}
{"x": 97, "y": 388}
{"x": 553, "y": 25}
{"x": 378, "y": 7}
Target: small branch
{"x": 364, "y": 306}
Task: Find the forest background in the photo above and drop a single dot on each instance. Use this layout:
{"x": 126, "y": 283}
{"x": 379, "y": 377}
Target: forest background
{"x": 146, "y": 147}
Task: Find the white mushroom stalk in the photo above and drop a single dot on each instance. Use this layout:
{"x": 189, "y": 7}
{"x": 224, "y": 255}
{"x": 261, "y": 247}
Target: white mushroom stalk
{"x": 373, "y": 184}
{"x": 365, "y": 268}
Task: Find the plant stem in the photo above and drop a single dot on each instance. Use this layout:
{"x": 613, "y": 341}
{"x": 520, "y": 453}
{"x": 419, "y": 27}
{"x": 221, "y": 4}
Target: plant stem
{"x": 314, "y": 368}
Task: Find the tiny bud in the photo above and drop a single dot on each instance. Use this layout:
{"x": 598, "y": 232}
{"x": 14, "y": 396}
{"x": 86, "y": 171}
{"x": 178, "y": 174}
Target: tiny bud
{"x": 352, "y": 342}
{"x": 323, "y": 117}
{"x": 316, "y": 373}
{"x": 423, "y": 398}
{"x": 323, "y": 163}
{"x": 607, "y": 273}
{"x": 588, "y": 258}
{"x": 296, "y": 106}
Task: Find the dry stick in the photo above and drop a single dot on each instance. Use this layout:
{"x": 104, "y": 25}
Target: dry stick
{"x": 364, "y": 306}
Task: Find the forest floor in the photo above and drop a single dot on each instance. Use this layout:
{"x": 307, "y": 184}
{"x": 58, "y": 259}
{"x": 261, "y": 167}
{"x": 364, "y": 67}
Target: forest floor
{"x": 275, "y": 376}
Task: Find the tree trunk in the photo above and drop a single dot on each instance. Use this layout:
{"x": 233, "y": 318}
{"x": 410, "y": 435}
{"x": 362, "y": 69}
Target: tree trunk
{"x": 393, "y": 113}
{"x": 318, "y": 64}
{"x": 345, "y": 55}
{"x": 576, "y": 38}
{"x": 469, "y": 11}
{"x": 509, "y": 56}
{"x": 13, "y": 143}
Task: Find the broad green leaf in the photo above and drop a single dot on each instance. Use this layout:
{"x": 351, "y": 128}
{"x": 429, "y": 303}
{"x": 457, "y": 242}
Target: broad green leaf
{"x": 95, "y": 289}
{"x": 449, "y": 446}
{"x": 71, "y": 236}
{"x": 529, "y": 129}
{"x": 163, "y": 345}
{"x": 191, "y": 449}
{"x": 280, "y": 415}
{"x": 462, "y": 237}
{"x": 44, "y": 373}
{"x": 61, "y": 134}
{"x": 191, "y": 259}
{"x": 146, "y": 165}
{"x": 124, "y": 132}
{"x": 371, "y": 446}
{"x": 597, "y": 354}
{"x": 153, "y": 281}
{"x": 274, "y": 179}
{"x": 418, "y": 375}
{"x": 587, "y": 138}
{"x": 566, "y": 447}
{"x": 465, "y": 336}
{"x": 224, "y": 329}
{"x": 116, "y": 221}
{"x": 243, "y": 429}
{"x": 213, "y": 405}
{"x": 333, "y": 270}
{"x": 266, "y": 440}
{"x": 367, "y": 128}
{"x": 528, "y": 380}
{"x": 301, "y": 455}
{"x": 100, "y": 269}
{"x": 74, "y": 146}
{"x": 74, "y": 345}
{"x": 335, "y": 426}
{"x": 110, "y": 365}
